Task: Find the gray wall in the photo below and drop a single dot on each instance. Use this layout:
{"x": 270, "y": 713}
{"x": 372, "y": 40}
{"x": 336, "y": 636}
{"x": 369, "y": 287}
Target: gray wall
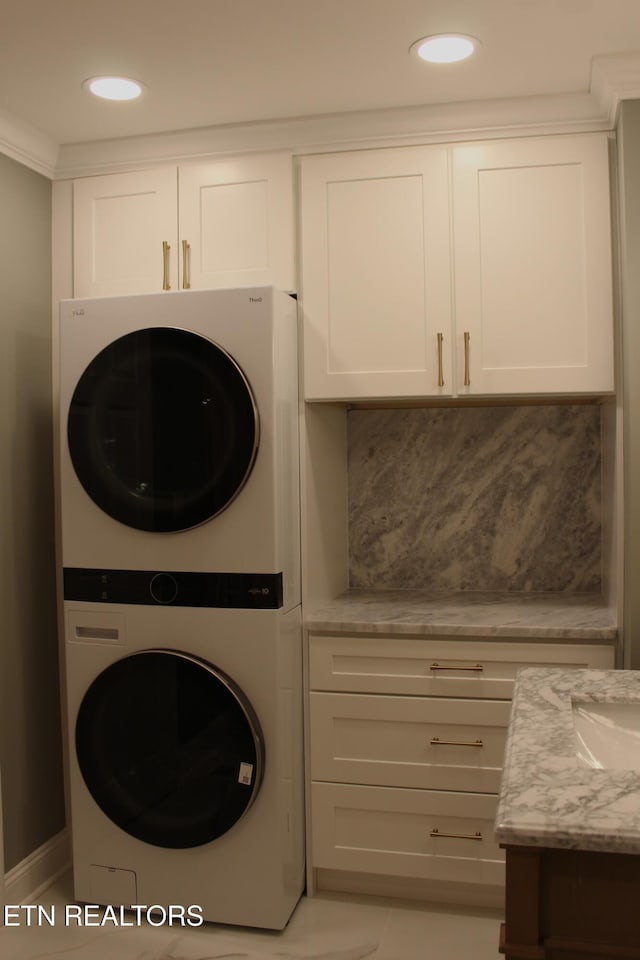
{"x": 30, "y": 738}
{"x": 476, "y": 498}
{"x": 629, "y": 186}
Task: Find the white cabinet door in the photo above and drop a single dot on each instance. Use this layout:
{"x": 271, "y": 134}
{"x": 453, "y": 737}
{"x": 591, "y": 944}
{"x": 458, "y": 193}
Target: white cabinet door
{"x": 236, "y": 222}
{"x": 431, "y": 743}
{"x": 233, "y": 217}
{"x": 375, "y": 283}
{"x": 427, "y": 834}
{"x": 120, "y": 223}
{"x": 533, "y": 285}
{"x": 427, "y": 667}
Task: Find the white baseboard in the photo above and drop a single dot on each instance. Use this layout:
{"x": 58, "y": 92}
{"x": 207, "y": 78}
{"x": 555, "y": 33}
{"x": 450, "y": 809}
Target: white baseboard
{"x": 430, "y": 891}
{"x": 28, "y": 879}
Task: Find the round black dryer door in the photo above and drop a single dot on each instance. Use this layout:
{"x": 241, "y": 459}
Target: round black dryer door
{"x": 169, "y": 748}
{"x": 163, "y": 429}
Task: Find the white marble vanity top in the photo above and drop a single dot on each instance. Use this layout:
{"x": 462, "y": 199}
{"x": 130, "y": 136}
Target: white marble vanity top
{"x": 548, "y": 798}
{"x": 572, "y": 617}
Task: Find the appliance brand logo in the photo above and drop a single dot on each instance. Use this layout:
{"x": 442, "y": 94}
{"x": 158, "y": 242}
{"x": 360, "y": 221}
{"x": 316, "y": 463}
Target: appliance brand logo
{"x": 77, "y": 313}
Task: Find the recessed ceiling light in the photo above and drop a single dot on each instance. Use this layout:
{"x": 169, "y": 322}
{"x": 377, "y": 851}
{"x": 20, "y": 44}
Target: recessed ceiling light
{"x": 444, "y": 47}
{"x": 114, "y": 88}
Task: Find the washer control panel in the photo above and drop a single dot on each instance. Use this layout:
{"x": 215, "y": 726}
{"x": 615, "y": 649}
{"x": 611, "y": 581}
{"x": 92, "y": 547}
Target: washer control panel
{"x": 252, "y": 591}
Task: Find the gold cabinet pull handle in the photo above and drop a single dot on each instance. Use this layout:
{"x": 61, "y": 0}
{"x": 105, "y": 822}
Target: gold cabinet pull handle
{"x": 436, "y": 741}
{"x": 478, "y": 668}
{"x": 456, "y": 836}
{"x": 467, "y": 378}
{"x": 440, "y": 376}
{"x": 186, "y": 283}
{"x": 165, "y": 265}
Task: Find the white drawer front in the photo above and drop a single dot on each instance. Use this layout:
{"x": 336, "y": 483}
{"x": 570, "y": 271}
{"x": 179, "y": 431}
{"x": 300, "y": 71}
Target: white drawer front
{"x": 408, "y": 741}
{"x": 437, "y": 668}
{"x": 406, "y": 833}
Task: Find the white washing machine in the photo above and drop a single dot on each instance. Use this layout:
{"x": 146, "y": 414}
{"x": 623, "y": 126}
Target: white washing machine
{"x": 180, "y": 545}
{"x": 179, "y": 440}
{"x": 186, "y": 763}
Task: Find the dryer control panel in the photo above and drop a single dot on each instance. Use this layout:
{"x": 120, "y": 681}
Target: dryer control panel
{"x": 251, "y": 591}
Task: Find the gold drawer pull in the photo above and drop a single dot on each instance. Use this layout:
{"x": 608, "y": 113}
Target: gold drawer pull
{"x": 186, "y": 248}
{"x": 440, "y": 375}
{"x": 478, "y": 668}
{"x": 436, "y": 741}
{"x": 467, "y": 378}
{"x": 456, "y": 836}
{"x": 166, "y": 248}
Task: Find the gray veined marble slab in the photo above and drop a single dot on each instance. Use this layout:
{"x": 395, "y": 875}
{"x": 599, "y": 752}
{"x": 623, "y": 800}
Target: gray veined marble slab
{"x": 481, "y": 498}
{"x": 547, "y": 797}
{"x": 541, "y": 616}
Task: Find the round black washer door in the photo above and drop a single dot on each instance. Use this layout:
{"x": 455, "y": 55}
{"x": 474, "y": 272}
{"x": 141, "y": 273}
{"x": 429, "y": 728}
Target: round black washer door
{"x": 170, "y": 748}
{"x": 163, "y": 429}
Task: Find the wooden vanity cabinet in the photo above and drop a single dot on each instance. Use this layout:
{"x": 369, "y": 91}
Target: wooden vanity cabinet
{"x": 570, "y": 905}
{"x": 406, "y": 742}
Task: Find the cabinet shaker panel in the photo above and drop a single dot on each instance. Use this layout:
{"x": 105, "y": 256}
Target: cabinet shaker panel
{"x": 120, "y": 223}
{"x": 375, "y": 285}
{"x": 224, "y": 223}
{"x": 236, "y": 220}
{"x": 533, "y": 265}
{"x": 407, "y": 833}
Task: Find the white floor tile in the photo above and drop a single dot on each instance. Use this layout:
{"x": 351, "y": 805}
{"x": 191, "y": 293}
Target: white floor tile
{"x": 325, "y": 927}
{"x": 428, "y": 932}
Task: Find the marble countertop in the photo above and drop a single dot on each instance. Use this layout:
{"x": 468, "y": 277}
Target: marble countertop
{"x": 547, "y": 797}
{"x": 553, "y": 616}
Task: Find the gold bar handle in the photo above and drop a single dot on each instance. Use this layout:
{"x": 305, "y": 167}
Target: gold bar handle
{"x": 467, "y": 379}
{"x": 440, "y": 377}
{"x": 186, "y": 247}
{"x": 478, "y": 668}
{"x": 165, "y": 265}
{"x": 456, "y": 836}
{"x": 436, "y": 741}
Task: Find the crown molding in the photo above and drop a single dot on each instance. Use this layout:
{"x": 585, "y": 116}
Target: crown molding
{"x": 613, "y": 78}
{"x": 300, "y": 135}
{"x": 27, "y": 145}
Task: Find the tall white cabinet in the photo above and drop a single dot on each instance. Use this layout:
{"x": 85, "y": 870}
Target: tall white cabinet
{"x": 225, "y": 223}
{"x": 533, "y": 288}
{"x": 376, "y": 274}
{"x": 474, "y": 269}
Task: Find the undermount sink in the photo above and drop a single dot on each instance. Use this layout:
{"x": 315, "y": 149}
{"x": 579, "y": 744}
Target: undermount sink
{"x": 607, "y": 734}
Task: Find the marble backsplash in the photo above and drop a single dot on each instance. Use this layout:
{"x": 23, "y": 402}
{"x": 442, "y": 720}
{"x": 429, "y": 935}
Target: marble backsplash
{"x": 476, "y": 498}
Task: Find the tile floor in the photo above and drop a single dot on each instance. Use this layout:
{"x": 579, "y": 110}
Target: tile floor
{"x": 324, "y": 927}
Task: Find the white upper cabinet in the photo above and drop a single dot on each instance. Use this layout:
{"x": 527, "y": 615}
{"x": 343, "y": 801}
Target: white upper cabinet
{"x": 533, "y": 287}
{"x": 236, "y": 218}
{"x": 375, "y": 281}
{"x": 225, "y": 223}
{"x": 120, "y": 223}
{"x": 479, "y": 269}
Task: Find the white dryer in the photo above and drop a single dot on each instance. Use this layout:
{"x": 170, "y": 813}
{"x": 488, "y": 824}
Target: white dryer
{"x": 186, "y": 762}
{"x": 179, "y": 438}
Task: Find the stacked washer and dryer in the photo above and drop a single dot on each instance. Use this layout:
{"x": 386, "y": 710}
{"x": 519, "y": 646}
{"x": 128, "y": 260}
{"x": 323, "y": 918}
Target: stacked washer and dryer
{"x": 180, "y": 547}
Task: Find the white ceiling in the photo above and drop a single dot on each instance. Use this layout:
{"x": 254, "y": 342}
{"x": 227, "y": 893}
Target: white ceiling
{"x": 212, "y": 62}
